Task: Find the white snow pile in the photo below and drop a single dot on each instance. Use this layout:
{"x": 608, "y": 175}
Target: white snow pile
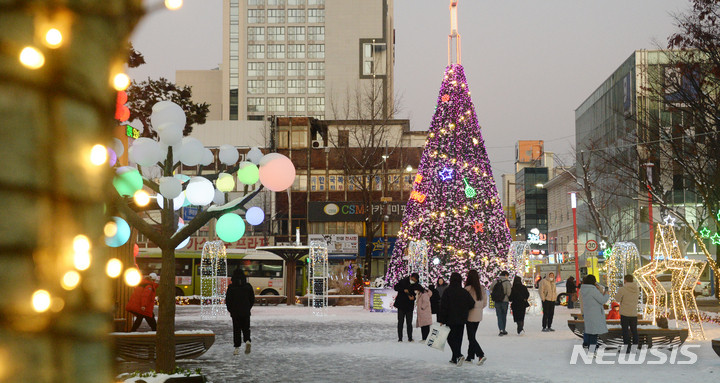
{"x": 155, "y": 378}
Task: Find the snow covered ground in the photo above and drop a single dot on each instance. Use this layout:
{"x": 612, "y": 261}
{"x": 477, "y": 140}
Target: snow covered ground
{"x": 353, "y": 345}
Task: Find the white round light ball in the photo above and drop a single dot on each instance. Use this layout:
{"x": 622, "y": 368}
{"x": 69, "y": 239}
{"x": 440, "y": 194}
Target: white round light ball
{"x": 228, "y": 155}
{"x": 191, "y": 152}
{"x": 200, "y": 191}
{"x": 145, "y": 152}
{"x": 170, "y": 133}
{"x": 255, "y": 216}
{"x": 208, "y": 158}
{"x": 254, "y": 155}
{"x": 177, "y": 201}
{"x": 170, "y": 187}
{"x": 167, "y": 111}
{"x": 118, "y": 147}
{"x": 219, "y": 198}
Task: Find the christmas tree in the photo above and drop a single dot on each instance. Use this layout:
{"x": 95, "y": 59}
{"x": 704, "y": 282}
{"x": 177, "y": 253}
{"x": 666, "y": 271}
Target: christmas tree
{"x": 454, "y": 204}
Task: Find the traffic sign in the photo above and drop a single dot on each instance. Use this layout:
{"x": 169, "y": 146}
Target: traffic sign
{"x": 591, "y": 245}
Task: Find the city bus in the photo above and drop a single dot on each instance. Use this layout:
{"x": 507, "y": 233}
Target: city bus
{"x": 265, "y": 271}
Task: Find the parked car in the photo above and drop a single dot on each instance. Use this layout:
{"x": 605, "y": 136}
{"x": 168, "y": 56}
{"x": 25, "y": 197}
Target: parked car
{"x": 666, "y": 282}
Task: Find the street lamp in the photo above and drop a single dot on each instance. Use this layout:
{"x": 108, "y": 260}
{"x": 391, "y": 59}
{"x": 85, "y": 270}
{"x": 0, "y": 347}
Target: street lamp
{"x": 648, "y": 169}
{"x": 573, "y": 205}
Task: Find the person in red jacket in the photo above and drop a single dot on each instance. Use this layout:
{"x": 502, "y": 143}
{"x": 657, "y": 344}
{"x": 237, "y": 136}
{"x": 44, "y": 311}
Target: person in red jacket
{"x": 614, "y": 311}
{"x": 142, "y": 302}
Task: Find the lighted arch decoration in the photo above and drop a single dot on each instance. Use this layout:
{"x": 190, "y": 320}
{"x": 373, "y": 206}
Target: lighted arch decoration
{"x": 418, "y": 260}
{"x": 520, "y": 254}
{"x": 624, "y": 256}
{"x": 213, "y": 279}
{"x": 685, "y": 274}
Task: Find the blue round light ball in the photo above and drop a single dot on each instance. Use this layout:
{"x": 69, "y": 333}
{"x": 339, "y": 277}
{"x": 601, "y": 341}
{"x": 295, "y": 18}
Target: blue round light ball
{"x": 255, "y": 216}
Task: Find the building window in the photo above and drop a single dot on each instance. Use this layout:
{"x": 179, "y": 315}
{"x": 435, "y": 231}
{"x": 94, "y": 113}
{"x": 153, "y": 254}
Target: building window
{"x": 255, "y": 69}
{"x": 316, "y": 51}
{"x": 255, "y": 51}
{"x": 316, "y": 104}
{"x": 316, "y": 86}
{"x": 296, "y": 51}
{"x": 300, "y": 183}
{"x": 256, "y": 16}
{"x": 296, "y": 16}
{"x": 275, "y": 87}
{"x": 275, "y": 104}
{"x": 295, "y": 2}
{"x": 295, "y": 104}
{"x": 276, "y": 69}
{"x": 295, "y": 69}
{"x": 316, "y": 15}
{"x": 276, "y": 33}
{"x": 374, "y": 58}
{"x": 296, "y": 87}
{"x": 275, "y": 51}
{"x": 256, "y": 86}
{"x": 275, "y": 16}
{"x": 343, "y": 138}
{"x": 255, "y": 104}
{"x": 316, "y": 33}
{"x": 276, "y": 2}
{"x": 316, "y": 2}
{"x": 256, "y": 2}
{"x": 256, "y": 33}
{"x": 317, "y": 183}
{"x": 316, "y": 69}
{"x": 296, "y": 33}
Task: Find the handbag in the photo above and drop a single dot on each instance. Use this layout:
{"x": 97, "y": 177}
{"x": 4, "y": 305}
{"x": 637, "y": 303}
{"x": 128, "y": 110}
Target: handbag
{"x": 438, "y": 336}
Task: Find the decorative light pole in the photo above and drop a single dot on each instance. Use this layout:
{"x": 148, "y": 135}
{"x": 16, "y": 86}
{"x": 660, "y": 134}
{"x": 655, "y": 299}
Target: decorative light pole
{"x": 648, "y": 170}
{"x": 573, "y": 205}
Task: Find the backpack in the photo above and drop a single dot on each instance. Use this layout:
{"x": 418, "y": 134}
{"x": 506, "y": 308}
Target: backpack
{"x": 498, "y": 292}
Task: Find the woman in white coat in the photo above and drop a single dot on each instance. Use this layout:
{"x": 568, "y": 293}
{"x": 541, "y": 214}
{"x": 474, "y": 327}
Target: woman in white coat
{"x": 424, "y": 311}
{"x": 594, "y": 297}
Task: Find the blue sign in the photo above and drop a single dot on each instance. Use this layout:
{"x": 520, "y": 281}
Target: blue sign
{"x": 189, "y": 212}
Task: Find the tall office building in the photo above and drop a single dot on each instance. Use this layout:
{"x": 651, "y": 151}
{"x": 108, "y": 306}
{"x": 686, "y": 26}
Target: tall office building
{"x": 296, "y": 57}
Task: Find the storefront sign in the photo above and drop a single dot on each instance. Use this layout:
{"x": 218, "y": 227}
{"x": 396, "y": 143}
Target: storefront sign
{"x": 353, "y": 211}
{"x": 337, "y": 243}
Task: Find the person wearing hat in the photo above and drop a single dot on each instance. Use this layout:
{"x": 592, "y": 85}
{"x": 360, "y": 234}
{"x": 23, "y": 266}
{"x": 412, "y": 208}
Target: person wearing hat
{"x": 239, "y": 299}
{"x": 142, "y": 302}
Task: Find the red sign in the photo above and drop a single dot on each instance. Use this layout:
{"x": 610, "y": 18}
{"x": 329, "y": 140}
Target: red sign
{"x": 591, "y": 245}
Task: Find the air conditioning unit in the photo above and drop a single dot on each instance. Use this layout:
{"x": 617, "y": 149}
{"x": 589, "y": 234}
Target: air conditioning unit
{"x": 317, "y": 144}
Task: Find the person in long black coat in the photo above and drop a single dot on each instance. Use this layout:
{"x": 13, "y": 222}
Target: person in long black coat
{"x": 455, "y": 305}
{"x": 434, "y": 300}
{"x": 571, "y": 290}
{"x": 239, "y": 299}
{"x": 519, "y": 295}
{"x": 405, "y": 303}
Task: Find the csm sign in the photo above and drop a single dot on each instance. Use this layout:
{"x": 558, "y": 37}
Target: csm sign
{"x": 353, "y": 211}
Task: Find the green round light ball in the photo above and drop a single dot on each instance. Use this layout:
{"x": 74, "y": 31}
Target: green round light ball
{"x": 127, "y": 181}
{"x": 248, "y": 173}
{"x": 230, "y": 227}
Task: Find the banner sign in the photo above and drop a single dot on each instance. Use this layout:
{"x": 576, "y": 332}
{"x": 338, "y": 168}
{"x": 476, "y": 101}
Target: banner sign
{"x": 337, "y": 243}
{"x": 354, "y": 211}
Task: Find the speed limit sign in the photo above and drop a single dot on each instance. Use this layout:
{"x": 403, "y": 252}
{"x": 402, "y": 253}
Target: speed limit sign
{"x": 591, "y": 245}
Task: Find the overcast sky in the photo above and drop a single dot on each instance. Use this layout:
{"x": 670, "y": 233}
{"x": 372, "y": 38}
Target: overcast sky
{"x": 529, "y": 64}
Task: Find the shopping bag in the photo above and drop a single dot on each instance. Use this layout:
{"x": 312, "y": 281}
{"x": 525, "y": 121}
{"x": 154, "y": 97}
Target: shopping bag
{"x": 438, "y": 336}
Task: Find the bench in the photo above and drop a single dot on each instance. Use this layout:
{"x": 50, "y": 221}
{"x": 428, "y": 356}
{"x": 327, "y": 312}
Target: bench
{"x": 716, "y": 345}
{"x": 577, "y": 316}
{"x": 660, "y": 337}
{"x": 267, "y": 300}
{"x": 140, "y": 346}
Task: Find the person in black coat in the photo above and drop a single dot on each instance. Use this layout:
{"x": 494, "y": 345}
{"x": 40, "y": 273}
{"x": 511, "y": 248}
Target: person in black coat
{"x": 571, "y": 291}
{"x": 434, "y": 300}
{"x": 455, "y": 305}
{"x": 239, "y": 299}
{"x": 519, "y": 302}
{"x": 405, "y": 303}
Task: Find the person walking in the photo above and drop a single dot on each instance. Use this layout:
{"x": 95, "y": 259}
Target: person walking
{"x": 519, "y": 296}
{"x": 239, "y": 299}
{"x": 455, "y": 306}
{"x": 627, "y": 296}
{"x": 405, "y": 304}
{"x": 571, "y": 290}
{"x": 142, "y": 302}
{"x": 434, "y": 300}
{"x": 475, "y": 316}
{"x": 594, "y": 297}
{"x": 500, "y": 295}
{"x": 424, "y": 311}
{"x": 548, "y": 295}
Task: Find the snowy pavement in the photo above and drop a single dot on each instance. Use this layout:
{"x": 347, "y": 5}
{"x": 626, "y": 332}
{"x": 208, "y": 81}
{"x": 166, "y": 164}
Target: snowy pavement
{"x": 353, "y": 345}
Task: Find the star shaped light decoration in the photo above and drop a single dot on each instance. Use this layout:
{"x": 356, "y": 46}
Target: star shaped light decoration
{"x": 715, "y": 239}
{"x": 478, "y": 226}
{"x": 669, "y": 221}
{"x": 705, "y": 232}
{"x": 446, "y": 174}
{"x": 718, "y": 215}
{"x": 685, "y": 274}
{"x": 603, "y": 244}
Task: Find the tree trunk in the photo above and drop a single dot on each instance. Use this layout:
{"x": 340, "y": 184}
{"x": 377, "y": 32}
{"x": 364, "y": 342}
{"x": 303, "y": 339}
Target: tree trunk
{"x": 166, "y": 313}
{"x": 290, "y": 287}
{"x": 368, "y": 256}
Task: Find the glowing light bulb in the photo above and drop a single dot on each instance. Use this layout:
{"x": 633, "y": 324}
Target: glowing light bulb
{"x": 82, "y": 261}
{"x": 32, "y": 58}
{"x": 141, "y": 198}
{"x": 81, "y": 244}
{"x": 53, "y": 38}
{"x": 121, "y": 81}
{"x": 132, "y": 276}
{"x": 70, "y": 280}
{"x": 110, "y": 229}
{"x": 114, "y": 268}
{"x": 41, "y": 301}
{"x": 98, "y": 155}
{"x": 173, "y": 4}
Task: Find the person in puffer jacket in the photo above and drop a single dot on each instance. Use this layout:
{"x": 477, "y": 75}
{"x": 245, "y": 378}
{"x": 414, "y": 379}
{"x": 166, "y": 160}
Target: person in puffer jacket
{"x": 614, "y": 313}
{"x": 424, "y": 311}
{"x": 142, "y": 302}
{"x": 627, "y": 296}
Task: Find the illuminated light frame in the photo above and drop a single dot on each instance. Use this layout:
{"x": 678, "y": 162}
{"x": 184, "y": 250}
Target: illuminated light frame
{"x": 617, "y": 265}
{"x": 519, "y": 253}
{"x": 318, "y": 277}
{"x": 418, "y": 260}
{"x": 213, "y": 279}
